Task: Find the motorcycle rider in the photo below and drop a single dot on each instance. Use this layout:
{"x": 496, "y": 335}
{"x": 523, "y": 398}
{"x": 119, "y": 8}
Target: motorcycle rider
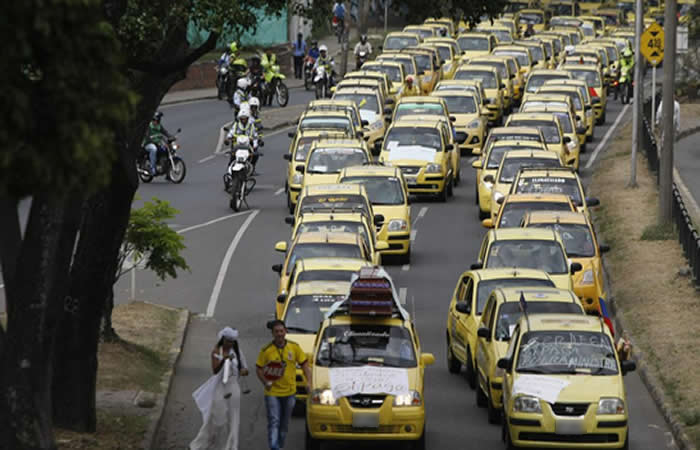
{"x": 237, "y": 65}
{"x": 254, "y": 104}
{"x": 626, "y": 67}
{"x": 241, "y": 94}
{"x": 268, "y": 60}
{"x": 326, "y": 62}
{"x": 314, "y": 52}
{"x": 339, "y": 16}
{"x": 156, "y": 137}
{"x": 245, "y": 127}
{"x": 410, "y": 89}
{"x": 362, "y": 46}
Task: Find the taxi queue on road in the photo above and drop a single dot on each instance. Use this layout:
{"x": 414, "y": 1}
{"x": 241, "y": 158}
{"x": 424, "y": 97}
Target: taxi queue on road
{"x": 527, "y": 323}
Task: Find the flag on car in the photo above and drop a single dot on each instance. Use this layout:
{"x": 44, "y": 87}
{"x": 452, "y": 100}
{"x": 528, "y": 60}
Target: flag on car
{"x": 603, "y": 309}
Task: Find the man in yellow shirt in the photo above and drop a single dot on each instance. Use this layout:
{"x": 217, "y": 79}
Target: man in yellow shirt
{"x": 409, "y": 88}
{"x": 276, "y": 369}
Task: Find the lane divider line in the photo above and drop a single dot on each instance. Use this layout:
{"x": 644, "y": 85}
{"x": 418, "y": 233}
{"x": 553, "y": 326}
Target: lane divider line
{"x": 222, "y": 138}
{"x": 211, "y": 307}
{"x": 406, "y": 267}
{"x": 211, "y": 222}
{"x": 402, "y": 295}
{"x": 606, "y": 137}
{"x": 208, "y": 158}
{"x": 279, "y": 191}
{"x": 413, "y": 235}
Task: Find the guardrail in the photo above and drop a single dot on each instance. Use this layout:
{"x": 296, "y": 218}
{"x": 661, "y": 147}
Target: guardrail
{"x": 688, "y": 236}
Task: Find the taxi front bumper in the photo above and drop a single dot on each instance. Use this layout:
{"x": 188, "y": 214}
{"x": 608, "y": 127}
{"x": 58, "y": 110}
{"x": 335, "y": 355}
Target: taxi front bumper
{"x": 399, "y": 241}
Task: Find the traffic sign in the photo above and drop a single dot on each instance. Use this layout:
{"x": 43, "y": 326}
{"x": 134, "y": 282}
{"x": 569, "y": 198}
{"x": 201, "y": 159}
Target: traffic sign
{"x": 652, "y": 44}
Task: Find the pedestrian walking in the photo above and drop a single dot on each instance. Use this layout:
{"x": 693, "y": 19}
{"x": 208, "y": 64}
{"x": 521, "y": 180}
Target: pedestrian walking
{"x": 276, "y": 369}
{"x": 219, "y": 398}
{"x": 676, "y": 120}
{"x": 299, "y": 51}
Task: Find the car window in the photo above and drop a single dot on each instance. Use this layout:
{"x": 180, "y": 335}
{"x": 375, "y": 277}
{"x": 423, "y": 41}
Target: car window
{"x": 413, "y": 137}
{"x": 521, "y": 56}
{"x": 485, "y": 287}
{"x": 513, "y": 212}
{"x": 510, "y": 166}
{"x": 329, "y": 122}
{"x": 305, "y": 313}
{"x": 310, "y": 203}
{"x": 528, "y": 254}
{"x": 334, "y": 159}
{"x": 460, "y": 104}
{"x": 353, "y": 345}
{"x": 318, "y": 250}
{"x": 496, "y": 154}
{"x": 536, "y": 80}
{"x": 577, "y": 238}
{"x": 326, "y": 275}
{"x": 509, "y": 314}
{"x": 471, "y": 43}
{"x": 488, "y": 79}
{"x": 549, "y": 185}
{"x": 380, "y": 190}
{"x": 550, "y": 130}
{"x": 357, "y": 227}
{"x": 399, "y": 42}
{"x": 591, "y": 77}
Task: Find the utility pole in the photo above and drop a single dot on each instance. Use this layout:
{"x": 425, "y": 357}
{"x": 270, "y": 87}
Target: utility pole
{"x": 638, "y": 81}
{"x": 386, "y": 15}
{"x": 667, "y": 109}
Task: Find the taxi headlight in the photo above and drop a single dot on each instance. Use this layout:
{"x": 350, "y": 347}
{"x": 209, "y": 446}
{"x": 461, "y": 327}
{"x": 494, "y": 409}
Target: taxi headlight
{"x": 411, "y": 398}
{"x": 497, "y": 196}
{"x": 323, "y": 397}
{"x": 476, "y": 123}
{"x": 297, "y": 178}
{"x": 611, "y": 405}
{"x": 589, "y": 113}
{"x": 572, "y": 145}
{"x": 587, "y": 277}
{"x": 527, "y": 404}
{"x": 487, "y": 185}
{"x": 374, "y": 126}
{"x": 433, "y": 168}
{"x": 397, "y": 225}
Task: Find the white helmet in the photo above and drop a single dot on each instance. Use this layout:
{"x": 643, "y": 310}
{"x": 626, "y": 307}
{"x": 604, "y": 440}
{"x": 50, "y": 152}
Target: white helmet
{"x": 244, "y": 111}
{"x": 254, "y": 101}
{"x": 569, "y": 49}
{"x": 242, "y": 141}
{"x": 243, "y": 83}
{"x": 323, "y": 48}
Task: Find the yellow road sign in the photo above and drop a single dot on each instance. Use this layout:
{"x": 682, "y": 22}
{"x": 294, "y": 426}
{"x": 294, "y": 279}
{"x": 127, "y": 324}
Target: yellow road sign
{"x": 652, "y": 44}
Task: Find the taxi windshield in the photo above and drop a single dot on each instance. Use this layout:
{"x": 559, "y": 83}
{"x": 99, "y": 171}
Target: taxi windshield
{"x": 496, "y": 154}
{"x": 537, "y": 54}
{"x": 394, "y": 73}
{"x": 337, "y": 226}
{"x": 303, "y": 145}
{"x": 444, "y": 52}
{"x": 380, "y": 190}
{"x": 467, "y": 43}
{"x": 531, "y": 18}
{"x": 460, "y": 104}
{"x": 548, "y": 128}
{"x": 575, "y": 99}
{"x": 565, "y": 121}
{"x": 577, "y": 238}
{"x": 495, "y": 137}
{"x": 349, "y": 109}
{"x": 509, "y": 314}
{"x": 550, "y": 185}
{"x": 406, "y": 109}
{"x": 365, "y": 102}
{"x": 322, "y": 250}
{"x": 305, "y": 313}
{"x": 536, "y": 80}
{"x": 399, "y": 42}
{"x": 566, "y": 352}
{"x": 359, "y": 345}
{"x": 335, "y": 202}
{"x": 423, "y": 62}
{"x": 326, "y": 275}
{"x": 521, "y": 56}
{"x": 501, "y": 35}
{"x": 485, "y": 288}
{"x": 325, "y": 123}
{"x": 591, "y": 77}
{"x": 561, "y": 10}
{"x": 334, "y": 159}
{"x": 488, "y": 79}
{"x": 424, "y": 138}
{"x": 528, "y": 254}
{"x": 500, "y": 66}
{"x": 513, "y": 212}
{"x": 534, "y": 104}
{"x": 510, "y": 166}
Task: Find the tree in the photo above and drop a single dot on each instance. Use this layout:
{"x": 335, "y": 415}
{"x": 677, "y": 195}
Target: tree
{"x": 148, "y": 238}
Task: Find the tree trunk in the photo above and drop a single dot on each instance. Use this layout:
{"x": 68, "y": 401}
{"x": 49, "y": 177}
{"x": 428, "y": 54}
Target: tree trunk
{"x": 36, "y": 294}
{"x": 363, "y": 13}
{"x": 107, "y": 332}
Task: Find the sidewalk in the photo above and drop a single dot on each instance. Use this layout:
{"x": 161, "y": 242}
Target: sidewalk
{"x": 687, "y": 160}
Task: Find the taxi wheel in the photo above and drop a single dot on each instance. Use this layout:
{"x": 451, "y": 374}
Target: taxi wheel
{"x": 493, "y": 414}
{"x": 476, "y": 193}
{"x": 420, "y": 443}
{"x": 442, "y": 196}
{"x": 290, "y": 206}
{"x": 453, "y": 364}
{"x": 470, "y": 374}
{"x": 483, "y": 215}
{"x": 405, "y": 259}
{"x": 480, "y": 396}
{"x": 506, "y": 436}
{"x": 309, "y": 442}
{"x": 450, "y": 189}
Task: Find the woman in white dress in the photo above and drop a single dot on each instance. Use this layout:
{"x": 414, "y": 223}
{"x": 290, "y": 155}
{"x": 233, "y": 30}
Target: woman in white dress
{"x": 219, "y": 398}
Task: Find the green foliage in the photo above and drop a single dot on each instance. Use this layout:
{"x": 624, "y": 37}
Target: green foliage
{"x": 471, "y": 11}
{"x": 62, "y": 96}
{"x": 657, "y": 232}
{"x": 149, "y": 236}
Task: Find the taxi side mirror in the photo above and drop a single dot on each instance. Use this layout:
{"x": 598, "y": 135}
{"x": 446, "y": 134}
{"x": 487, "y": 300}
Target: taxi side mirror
{"x": 382, "y": 245}
{"x": 476, "y": 266}
{"x": 289, "y": 220}
{"x": 487, "y": 223}
{"x": 489, "y": 178}
{"x": 575, "y": 267}
{"x": 287, "y": 156}
{"x": 461, "y": 137}
{"x": 427, "y": 359}
{"x": 503, "y": 85}
{"x": 592, "y": 201}
{"x": 567, "y": 139}
{"x": 580, "y": 130}
{"x": 281, "y": 246}
{"x": 453, "y": 119}
{"x": 365, "y": 123}
{"x": 389, "y": 101}
{"x": 388, "y": 111}
{"x": 505, "y": 364}
{"x": 587, "y": 107}
{"x": 477, "y": 164}
{"x": 595, "y": 100}
{"x": 277, "y": 268}
{"x": 300, "y": 168}
{"x": 291, "y": 134}
{"x": 281, "y": 298}
{"x": 628, "y": 366}
{"x": 603, "y": 248}
{"x": 483, "y": 332}
{"x": 463, "y": 307}
{"x": 486, "y": 101}
{"x": 449, "y": 147}
{"x": 379, "y": 219}
{"x": 377, "y": 149}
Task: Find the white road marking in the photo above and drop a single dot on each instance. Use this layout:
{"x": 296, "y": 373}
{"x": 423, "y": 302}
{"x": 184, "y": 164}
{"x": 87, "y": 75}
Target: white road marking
{"x": 276, "y": 132}
{"x": 406, "y": 267}
{"x": 472, "y": 159}
{"x": 606, "y": 137}
{"x": 402, "y": 295}
{"x": 422, "y": 211}
{"x": 211, "y": 222}
{"x": 208, "y": 158}
{"x": 279, "y": 191}
{"x": 227, "y": 260}
{"x": 222, "y": 137}
{"x": 413, "y": 235}
{"x": 2, "y": 286}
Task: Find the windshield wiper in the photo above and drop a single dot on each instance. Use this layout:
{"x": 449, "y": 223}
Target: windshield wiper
{"x": 531, "y": 370}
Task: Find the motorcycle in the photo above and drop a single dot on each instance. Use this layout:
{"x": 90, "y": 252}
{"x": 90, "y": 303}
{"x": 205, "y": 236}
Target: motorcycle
{"x": 360, "y": 59}
{"x": 223, "y": 81}
{"x": 338, "y": 28}
{"x": 322, "y": 82}
{"x": 274, "y": 86}
{"x": 625, "y": 84}
{"x": 238, "y": 177}
{"x": 308, "y": 72}
{"x": 168, "y": 163}
{"x": 254, "y": 154}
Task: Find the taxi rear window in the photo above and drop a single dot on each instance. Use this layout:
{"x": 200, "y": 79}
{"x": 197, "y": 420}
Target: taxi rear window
{"x": 335, "y": 202}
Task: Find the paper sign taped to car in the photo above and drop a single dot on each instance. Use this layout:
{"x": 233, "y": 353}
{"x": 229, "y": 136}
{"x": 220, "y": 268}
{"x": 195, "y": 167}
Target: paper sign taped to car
{"x": 546, "y": 388}
{"x": 347, "y": 381}
{"x": 414, "y": 152}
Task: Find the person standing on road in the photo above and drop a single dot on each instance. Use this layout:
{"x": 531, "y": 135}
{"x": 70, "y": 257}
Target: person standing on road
{"x": 299, "y": 49}
{"x": 676, "y": 120}
{"x": 276, "y": 369}
{"x": 409, "y": 88}
{"x": 219, "y": 398}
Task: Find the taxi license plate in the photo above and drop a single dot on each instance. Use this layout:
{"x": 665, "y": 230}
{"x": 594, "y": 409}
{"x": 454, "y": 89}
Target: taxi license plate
{"x": 365, "y": 420}
{"x": 571, "y": 426}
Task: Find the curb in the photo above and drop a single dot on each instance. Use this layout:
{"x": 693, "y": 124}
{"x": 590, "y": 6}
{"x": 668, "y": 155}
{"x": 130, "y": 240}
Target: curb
{"x": 685, "y": 133}
{"x": 156, "y": 416}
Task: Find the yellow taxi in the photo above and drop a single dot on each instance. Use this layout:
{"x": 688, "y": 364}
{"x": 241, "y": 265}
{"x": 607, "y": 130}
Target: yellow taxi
{"x": 508, "y": 76}
{"x": 339, "y": 121}
{"x": 588, "y": 6}
{"x": 501, "y": 315}
{"x": 553, "y": 44}
{"x": 298, "y": 150}
{"x": 371, "y": 109}
{"x": 377, "y": 85}
{"x": 380, "y": 77}
{"x": 466, "y": 109}
{"x": 551, "y": 180}
{"x": 369, "y": 335}
{"x": 523, "y": 134}
{"x": 575, "y": 135}
{"x": 613, "y": 55}
{"x": 518, "y": 80}
{"x": 304, "y": 311}
{"x": 476, "y": 44}
{"x": 538, "y": 77}
{"x": 394, "y": 72}
{"x": 406, "y": 60}
{"x": 487, "y": 168}
{"x": 449, "y": 57}
{"x": 327, "y": 157}
{"x": 423, "y": 151}
{"x": 614, "y": 18}
{"x": 574, "y": 33}
{"x": 493, "y": 87}
{"x": 510, "y": 22}
{"x": 550, "y": 127}
{"x": 522, "y": 54}
{"x": 583, "y": 111}
{"x": 596, "y": 88}
{"x": 396, "y": 40}
{"x": 421, "y": 30}
{"x": 527, "y": 248}
{"x": 538, "y": 18}
{"x": 550, "y": 56}
{"x": 514, "y": 207}
{"x": 598, "y": 24}
{"x": 428, "y": 67}
{"x": 467, "y": 305}
{"x": 511, "y": 162}
{"x": 565, "y": 8}
{"x": 585, "y": 405}
{"x": 339, "y": 105}
{"x": 473, "y": 86}
{"x": 503, "y": 34}
{"x": 581, "y": 246}
{"x": 388, "y": 193}
{"x": 315, "y": 244}
{"x": 539, "y": 55}
{"x": 444, "y": 21}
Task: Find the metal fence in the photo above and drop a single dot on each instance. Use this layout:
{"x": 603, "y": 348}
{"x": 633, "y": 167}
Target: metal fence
{"x": 687, "y": 234}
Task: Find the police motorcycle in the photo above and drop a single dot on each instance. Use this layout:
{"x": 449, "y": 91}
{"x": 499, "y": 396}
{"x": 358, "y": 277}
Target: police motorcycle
{"x": 168, "y": 162}
{"x": 323, "y": 81}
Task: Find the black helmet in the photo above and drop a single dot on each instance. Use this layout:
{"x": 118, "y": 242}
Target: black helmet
{"x": 158, "y": 115}
{"x": 363, "y": 38}
{"x": 314, "y": 43}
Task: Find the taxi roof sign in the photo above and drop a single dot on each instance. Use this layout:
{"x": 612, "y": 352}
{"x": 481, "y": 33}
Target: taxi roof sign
{"x": 371, "y": 293}
{"x": 652, "y": 44}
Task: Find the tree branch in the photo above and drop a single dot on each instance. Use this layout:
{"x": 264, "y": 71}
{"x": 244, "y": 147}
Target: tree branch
{"x": 167, "y": 68}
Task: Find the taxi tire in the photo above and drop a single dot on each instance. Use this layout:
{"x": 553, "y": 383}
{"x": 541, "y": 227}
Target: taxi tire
{"x": 450, "y": 189}
{"x": 309, "y": 442}
{"x": 453, "y": 364}
{"x": 493, "y": 414}
{"x": 481, "y": 398}
{"x": 442, "y": 196}
{"x": 290, "y": 206}
{"x": 405, "y": 259}
{"x": 476, "y": 193}
{"x": 420, "y": 443}
{"x": 505, "y": 435}
{"x": 470, "y": 374}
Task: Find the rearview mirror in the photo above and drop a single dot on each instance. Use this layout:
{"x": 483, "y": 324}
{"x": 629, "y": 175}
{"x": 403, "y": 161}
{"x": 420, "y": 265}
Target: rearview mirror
{"x": 449, "y": 147}
{"x": 281, "y": 298}
{"x": 281, "y": 246}
{"x": 476, "y": 266}
{"x": 575, "y": 267}
{"x": 592, "y": 201}
{"x": 603, "y": 248}
{"x": 503, "y": 85}
{"x": 365, "y": 123}
{"x": 428, "y": 359}
{"x": 277, "y": 268}
{"x": 580, "y": 130}
{"x": 226, "y": 129}
{"x": 387, "y": 111}
{"x": 567, "y": 139}
{"x": 377, "y": 148}
{"x": 463, "y": 307}
{"x": 300, "y": 168}
{"x": 291, "y": 134}
{"x": 587, "y": 107}
{"x": 287, "y": 156}
{"x": 389, "y": 101}
{"x": 595, "y": 100}
{"x": 289, "y": 220}
{"x": 505, "y": 364}
{"x": 483, "y": 332}
{"x": 487, "y": 223}
{"x": 379, "y": 219}
{"x": 453, "y": 119}
{"x": 489, "y": 178}
{"x": 628, "y": 366}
